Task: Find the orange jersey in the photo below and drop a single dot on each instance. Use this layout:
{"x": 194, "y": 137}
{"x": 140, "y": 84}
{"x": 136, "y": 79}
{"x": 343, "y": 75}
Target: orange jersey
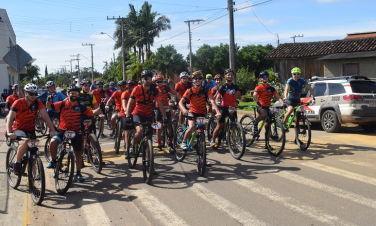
{"x": 181, "y": 88}
{"x": 265, "y": 94}
{"x": 117, "y": 97}
{"x": 214, "y": 90}
{"x": 197, "y": 99}
{"x": 98, "y": 95}
{"x": 125, "y": 96}
{"x": 227, "y": 93}
{"x": 11, "y": 98}
{"x": 144, "y": 100}
{"x": 25, "y": 114}
{"x": 70, "y": 116}
{"x": 163, "y": 92}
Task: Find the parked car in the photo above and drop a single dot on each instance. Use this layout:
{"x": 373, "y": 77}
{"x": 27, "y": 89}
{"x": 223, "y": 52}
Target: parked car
{"x": 340, "y": 100}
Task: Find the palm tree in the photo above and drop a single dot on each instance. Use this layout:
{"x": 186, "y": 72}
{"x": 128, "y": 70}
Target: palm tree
{"x": 134, "y": 67}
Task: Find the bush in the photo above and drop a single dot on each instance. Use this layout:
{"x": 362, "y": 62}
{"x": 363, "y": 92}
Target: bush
{"x": 245, "y": 80}
{"x": 247, "y": 98}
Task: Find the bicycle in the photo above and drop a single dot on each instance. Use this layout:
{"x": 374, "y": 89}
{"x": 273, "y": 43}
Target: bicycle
{"x": 232, "y": 132}
{"x": 145, "y": 147}
{"x": 170, "y": 126}
{"x": 118, "y": 134}
{"x": 35, "y": 171}
{"x": 91, "y": 147}
{"x": 40, "y": 125}
{"x": 100, "y": 118}
{"x": 302, "y": 126}
{"x": 47, "y": 154}
{"x": 109, "y": 115}
{"x": 200, "y": 145}
{"x": 275, "y": 132}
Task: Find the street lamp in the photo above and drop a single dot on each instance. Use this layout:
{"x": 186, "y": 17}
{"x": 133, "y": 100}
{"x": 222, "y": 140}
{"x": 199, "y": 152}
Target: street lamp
{"x": 102, "y": 33}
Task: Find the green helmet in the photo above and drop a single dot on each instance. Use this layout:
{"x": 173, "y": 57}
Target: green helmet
{"x": 106, "y": 85}
{"x": 296, "y": 70}
{"x": 209, "y": 76}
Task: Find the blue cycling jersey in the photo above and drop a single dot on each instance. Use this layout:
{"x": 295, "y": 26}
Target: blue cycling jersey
{"x": 58, "y": 97}
{"x": 296, "y": 88}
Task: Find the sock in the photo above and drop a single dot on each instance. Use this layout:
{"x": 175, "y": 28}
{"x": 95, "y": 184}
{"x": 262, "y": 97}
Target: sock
{"x": 170, "y": 140}
{"x": 78, "y": 172}
{"x": 159, "y": 141}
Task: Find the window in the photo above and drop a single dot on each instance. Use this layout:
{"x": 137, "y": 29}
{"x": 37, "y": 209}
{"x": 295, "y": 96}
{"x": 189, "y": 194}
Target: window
{"x": 350, "y": 69}
{"x": 363, "y": 87}
{"x": 336, "y": 88}
{"x": 319, "y": 89}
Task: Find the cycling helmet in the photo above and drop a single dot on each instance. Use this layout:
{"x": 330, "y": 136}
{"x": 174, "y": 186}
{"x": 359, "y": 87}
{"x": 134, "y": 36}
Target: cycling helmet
{"x": 146, "y": 73}
{"x": 139, "y": 82}
{"x": 209, "y": 76}
{"x": 112, "y": 83}
{"x": 50, "y": 83}
{"x": 263, "y": 73}
{"x": 122, "y": 83}
{"x": 63, "y": 90}
{"x": 296, "y": 70}
{"x": 132, "y": 83}
{"x": 197, "y": 73}
{"x": 30, "y": 87}
{"x": 106, "y": 85}
{"x": 99, "y": 83}
{"x": 84, "y": 81}
{"x": 184, "y": 74}
{"x": 217, "y": 76}
{"x": 5, "y": 89}
{"x": 15, "y": 86}
{"x": 158, "y": 78}
{"x": 229, "y": 70}
{"x": 74, "y": 88}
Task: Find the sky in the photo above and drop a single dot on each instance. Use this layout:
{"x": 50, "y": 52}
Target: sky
{"x": 52, "y": 31}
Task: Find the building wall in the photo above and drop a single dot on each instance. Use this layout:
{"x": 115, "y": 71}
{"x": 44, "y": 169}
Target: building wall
{"x": 367, "y": 67}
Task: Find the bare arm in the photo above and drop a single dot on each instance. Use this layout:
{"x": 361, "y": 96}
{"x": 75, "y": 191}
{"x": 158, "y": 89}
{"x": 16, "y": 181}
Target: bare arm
{"x": 128, "y": 111}
{"x": 48, "y": 105}
{"x": 124, "y": 104}
{"x": 11, "y": 116}
{"x": 286, "y": 91}
{"x": 161, "y": 108}
{"x": 279, "y": 99}
{"x": 310, "y": 90}
{"x": 215, "y": 107}
{"x": 181, "y": 105}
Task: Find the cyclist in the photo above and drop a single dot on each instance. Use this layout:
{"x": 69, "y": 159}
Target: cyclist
{"x": 87, "y": 99}
{"x": 263, "y": 96}
{"x": 163, "y": 91}
{"x": 4, "y": 95}
{"x": 122, "y": 84}
{"x": 209, "y": 83}
{"x": 143, "y": 95}
{"x": 93, "y": 86}
{"x": 99, "y": 93}
{"x": 64, "y": 92}
{"x": 11, "y": 98}
{"x": 55, "y": 95}
{"x": 228, "y": 92}
{"x": 214, "y": 91}
{"x": 180, "y": 88}
{"x": 24, "y": 112}
{"x": 293, "y": 90}
{"x": 71, "y": 112}
{"x": 112, "y": 86}
{"x": 197, "y": 96}
{"x": 107, "y": 90}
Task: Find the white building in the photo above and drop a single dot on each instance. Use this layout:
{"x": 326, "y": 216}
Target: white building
{"x": 8, "y": 76}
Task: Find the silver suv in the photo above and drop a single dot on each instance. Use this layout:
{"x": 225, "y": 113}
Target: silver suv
{"x": 340, "y": 100}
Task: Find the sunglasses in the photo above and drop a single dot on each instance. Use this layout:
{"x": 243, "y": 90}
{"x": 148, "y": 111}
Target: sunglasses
{"x": 100, "y": 87}
{"x": 159, "y": 82}
{"x": 296, "y": 74}
{"x": 197, "y": 78}
{"x": 265, "y": 76}
{"x": 75, "y": 93}
{"x": 33, "y": 94}
{"x": 147, "y": 78}
{"x": 124, "y": 87}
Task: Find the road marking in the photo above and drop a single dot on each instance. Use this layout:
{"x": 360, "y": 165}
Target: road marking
{"x": 358, "y": 163}
{"x": 340, "y": 172}
{"x": 330, "y": 189}
{"x": 158, "y": 210}
{"x": 94, "y": 212}
{"x": 240, "y": 215}
{"x": 26, "y": 218}
{"x": 289, "y": 202}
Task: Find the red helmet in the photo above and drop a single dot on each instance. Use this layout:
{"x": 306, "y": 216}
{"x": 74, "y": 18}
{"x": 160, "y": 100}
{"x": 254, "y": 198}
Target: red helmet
{"x": 217, "y": 76}
{"x": 158, "y": 78}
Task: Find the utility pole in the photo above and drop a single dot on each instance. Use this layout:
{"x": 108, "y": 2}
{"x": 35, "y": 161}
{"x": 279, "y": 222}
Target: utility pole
{"x": 70, "y": 65}
{"x": 190, "y": 42}
{"x": 122, "y": 41}
{"x": 232, "y": 39}
{"x": 296, "y": 36}
{"x": 78, "y": 72}
{"x": 92, "y": 61}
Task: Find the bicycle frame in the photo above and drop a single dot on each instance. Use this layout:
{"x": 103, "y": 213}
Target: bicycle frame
{"x": 199, "y": 128}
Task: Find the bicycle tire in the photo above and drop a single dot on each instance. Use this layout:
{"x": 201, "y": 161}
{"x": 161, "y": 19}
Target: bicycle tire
{"x": 43, "y": 127}
{"x": 118, "y": 137}
{"x": 179, "y": 153}
{"x": 132, "y": 160}
{"x": 13, "y": 180}
{"x": 201, "y": 154}
{"x": 8, "y": 141}
{"x": 163, "y": 136}
{"x": 247, "y": 121}
{"x": 99, "y": 127}
{"x": 47, "y": 153}
{"x": 64, "y": 172}
{"x": 147, "y": 165}
{"x": 172, "y": 129}
{"x": 239, "y": 141}
{"x": 95, "y": 154}
{"x": 303, "y": 133}
{"x": 37, "y": 195}
{"x": 276, "y": 135}
{"x": 212, "y": 124}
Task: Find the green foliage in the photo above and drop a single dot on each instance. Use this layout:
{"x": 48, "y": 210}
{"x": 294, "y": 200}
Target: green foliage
{"x": 32, "y": 74}
{"x": 247, "y": 98}
{"x": 134, "y": 67}
{"x": 245, "y": 80}
{"x": 253, "y": 57}
{"x": 274, "y": 81}
{"x": 168, "y": 61}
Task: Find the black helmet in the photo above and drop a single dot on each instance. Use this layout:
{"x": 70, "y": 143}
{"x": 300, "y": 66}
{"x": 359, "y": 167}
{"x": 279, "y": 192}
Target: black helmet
{"x": 262, "y": 73}
{"x": 229, "y": 70}
{"x": 84, "y": 81}
{"x": 139, "y": 82}
{"x": 74, "y": 88}
{"x": 100, "y": 83}
{"x": 63, "y": 90}
{"x": 122, "y": 83}
{"x": 146, "y": 73}
{"x": 132, "y": 83}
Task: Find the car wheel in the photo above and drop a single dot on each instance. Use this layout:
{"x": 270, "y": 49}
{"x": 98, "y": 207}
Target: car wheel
{"x": 329, "y": 122}
{"x": 368, "y": 127}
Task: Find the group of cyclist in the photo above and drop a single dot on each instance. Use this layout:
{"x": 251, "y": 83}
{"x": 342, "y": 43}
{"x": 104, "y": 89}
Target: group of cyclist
{"x": 134, "y": 105}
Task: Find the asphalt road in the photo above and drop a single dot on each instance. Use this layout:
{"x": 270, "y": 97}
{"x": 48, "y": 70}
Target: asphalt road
{"x": 332, "y": 183}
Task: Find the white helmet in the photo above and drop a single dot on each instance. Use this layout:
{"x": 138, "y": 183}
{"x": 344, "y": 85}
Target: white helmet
{"x": 30, "y": 87}
{"x": 50, "y": 83}
{"x": 184, "y": 74}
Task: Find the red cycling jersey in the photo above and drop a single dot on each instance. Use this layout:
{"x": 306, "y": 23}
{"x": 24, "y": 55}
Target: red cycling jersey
{"x": 117, "y": 97}
{"x": 181, "y": 88}
{"x": 163, "y": 92}
{"x": 11, "y": 98}
{"x": 70, "y": 116}
{"x": 144, "y": 100}
{"x": 25, "y": 114}
{"x": 227, "y": 93}
{"x": 98, "y": 95}
{"x": 264, "y": 94}
{"x": 197, "y": 99}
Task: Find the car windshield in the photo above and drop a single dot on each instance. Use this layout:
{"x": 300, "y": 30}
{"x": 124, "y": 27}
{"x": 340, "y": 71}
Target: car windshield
{"x": 363, "y": 87}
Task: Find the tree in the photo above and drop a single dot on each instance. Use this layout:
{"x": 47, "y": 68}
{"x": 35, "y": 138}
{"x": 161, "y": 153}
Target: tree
{"x": 134, "y": 67}
{"x": 46, "y": 71}
{"x": 169, "y": 61}
{"x": 31, "y": 75}
{"x": 253, "y": 58}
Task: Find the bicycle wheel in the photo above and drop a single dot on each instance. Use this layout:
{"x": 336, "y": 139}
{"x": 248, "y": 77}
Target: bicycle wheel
{"x": 163, "y": 136}
{"x": 236, "y": 140}
{"x": 13, "y": 180}
{"x": 276, "y": 138}
{"x": 132, "y": 159}
{"x": 95, "y": 154}
{"x": 201, "y": 154}
{"x": 247, "y": 122}
{"x": 43, "y": 126}
{"x": 118, "y": 137}
{"x": 7, "y": 139}
{"x": 212, "y": 124}
{"x": 303, "y": 133}
{"x": 147, "y": 164}
{"x": 172, "y": 136}
{"x": 37, "y": 181}
{"x": 64, "y": 171}
{"x": 47, "y": 153}
{"x": 179, "y": 153}
{"x": 99, "y": 127}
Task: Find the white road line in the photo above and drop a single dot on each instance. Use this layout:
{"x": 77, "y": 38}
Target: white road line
{"x": 330, "y": 189}
{"x": 94, "y": 212}
{"x": 159, "y": 210}
{"x": 370, "y": 165}
{"x": 240, "y": 215}
{"x": 289, "y": 202}
{"x": 340, "y": 172}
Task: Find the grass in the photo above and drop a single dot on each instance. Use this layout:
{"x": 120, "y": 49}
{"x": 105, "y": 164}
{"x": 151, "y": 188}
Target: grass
{"x": 248, "y": 105}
